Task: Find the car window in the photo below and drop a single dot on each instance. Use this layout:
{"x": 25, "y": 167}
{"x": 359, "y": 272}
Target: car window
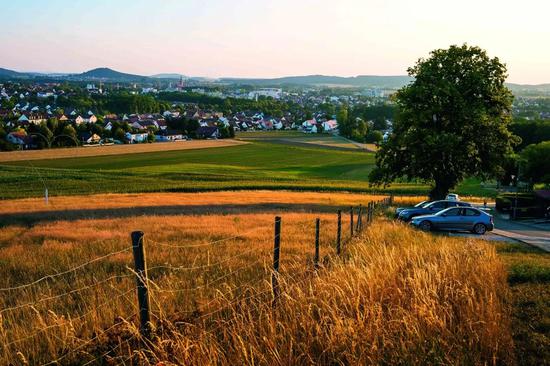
{"x": 421, "y": 204}
{"x": 463, "y": 204}
{"x": 453, "y": 212}
{"x": 470, "y": 212}
{"x": 437, "y": 205}
{"x": 452, "y": 204}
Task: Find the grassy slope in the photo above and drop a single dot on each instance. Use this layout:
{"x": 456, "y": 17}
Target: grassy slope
{"x": 256, "y": 165}
{"x": 529, "y": 278}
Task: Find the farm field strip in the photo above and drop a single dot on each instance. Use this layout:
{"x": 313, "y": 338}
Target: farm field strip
{"x": 257, "y": 165}
{"x": 73, "y": 152}
{"x": 213, "y": 202}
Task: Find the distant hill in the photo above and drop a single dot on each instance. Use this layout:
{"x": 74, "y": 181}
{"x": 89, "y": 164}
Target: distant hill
{"x": 5, "y": 73}
{"x": 529, "y": 89}
{"x": 109, "y": 74}
{"x": 372, "y": 81}
{"x": 169, "y": 76}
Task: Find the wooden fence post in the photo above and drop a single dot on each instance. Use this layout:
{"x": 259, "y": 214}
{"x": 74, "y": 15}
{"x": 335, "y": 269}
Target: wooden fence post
{"x": 142, "y": 283}
{"x": 276, "y": 254}
{"x": 316, "y": 259}
{"x": 371, "y": 209}
{"x": 359, "y": 225}
{"x": 351, "y": 221}
{"x": 339, "y": 233}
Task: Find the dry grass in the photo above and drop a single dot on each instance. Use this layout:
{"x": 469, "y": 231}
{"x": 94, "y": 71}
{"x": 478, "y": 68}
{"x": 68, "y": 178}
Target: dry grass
{"x": 74, "y": 152}
{"x": 398, "y": 297}
{"x": 211, "y": 201}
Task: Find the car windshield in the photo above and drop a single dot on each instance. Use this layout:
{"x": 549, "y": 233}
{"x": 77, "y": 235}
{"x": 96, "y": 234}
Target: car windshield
{"x": 422, "y": 204}
{"x": 453, "y": 211}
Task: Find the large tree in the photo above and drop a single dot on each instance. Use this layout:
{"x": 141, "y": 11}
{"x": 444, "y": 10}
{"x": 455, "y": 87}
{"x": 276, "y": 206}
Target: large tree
{"x": 451, "y": 123}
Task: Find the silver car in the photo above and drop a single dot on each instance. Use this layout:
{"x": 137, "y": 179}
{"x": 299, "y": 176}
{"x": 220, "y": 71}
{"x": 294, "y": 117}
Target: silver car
{"x": 456, "y": 219}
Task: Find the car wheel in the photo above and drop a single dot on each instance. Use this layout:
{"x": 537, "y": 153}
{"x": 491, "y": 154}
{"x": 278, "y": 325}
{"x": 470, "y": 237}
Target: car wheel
{"x": 425, "y": 226}
{"x": 479, "y": 229}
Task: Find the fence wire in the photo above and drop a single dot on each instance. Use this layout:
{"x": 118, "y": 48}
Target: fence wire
{"x": 54, "y": 275}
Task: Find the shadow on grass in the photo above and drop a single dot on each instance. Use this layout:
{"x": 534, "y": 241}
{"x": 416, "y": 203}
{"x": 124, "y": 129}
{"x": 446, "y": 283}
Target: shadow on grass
{"x": 32, "y": 218}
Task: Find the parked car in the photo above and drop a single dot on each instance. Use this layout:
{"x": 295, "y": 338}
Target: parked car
{"x": 452, "y": 197}
{"x": 420, "y": 204}
{"x": 456, "y": 219}
{"x": 429, "y": 209}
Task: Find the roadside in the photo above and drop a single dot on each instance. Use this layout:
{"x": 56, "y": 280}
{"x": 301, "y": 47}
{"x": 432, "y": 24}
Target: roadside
{"x": 528, "y": 232}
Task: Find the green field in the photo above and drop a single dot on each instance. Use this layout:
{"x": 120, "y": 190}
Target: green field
{"x": 258, "y": 165}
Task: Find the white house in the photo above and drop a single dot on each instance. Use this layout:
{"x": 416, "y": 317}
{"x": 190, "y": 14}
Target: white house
{"x": 91, "y": 119}
{"x": 134, "y": 138}
{"x": 169, "y": 137}
{"x": 330, "y": 125}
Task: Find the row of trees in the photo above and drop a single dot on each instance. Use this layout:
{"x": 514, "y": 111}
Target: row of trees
{"x": 268, "y": 106}
{"x": 356, "y": 128}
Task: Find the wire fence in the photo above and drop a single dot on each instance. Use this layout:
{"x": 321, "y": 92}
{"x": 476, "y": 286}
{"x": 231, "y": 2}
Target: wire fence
{"x": 150, "y": 287}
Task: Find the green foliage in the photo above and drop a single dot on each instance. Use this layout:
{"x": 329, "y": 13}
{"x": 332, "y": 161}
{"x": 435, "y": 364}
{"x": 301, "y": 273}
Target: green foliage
{"x": 378, "y": 114}
{"x": 536, "y": 163}
{"x": 374, "y": 136}
{"x": 531, "y": 131}
{"x": 452, "y": 121}
{"x": 268, "y": 106}
{"x": 113, "y": 103}
{"x": 344, "y": 125}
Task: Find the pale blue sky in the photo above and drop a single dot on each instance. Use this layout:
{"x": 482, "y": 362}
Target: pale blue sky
{"x": 268, "y": 38}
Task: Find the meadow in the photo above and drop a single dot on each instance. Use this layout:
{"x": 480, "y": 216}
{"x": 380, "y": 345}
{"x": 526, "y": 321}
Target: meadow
{"x": 260, "y": 164}
{"x": 395, "y": 296}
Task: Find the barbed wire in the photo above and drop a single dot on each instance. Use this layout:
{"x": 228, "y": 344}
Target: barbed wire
{"x": 232, "y": 303}
{"x": 126, "y": 341}
{"x": 211, "y": 242}
{"x": 214, "y": 281}
{"x": 19, "y": 340}
{"x": 184, "y": 268}
{"x": 54, "y": 275}
{"x": 90, "y": 341}
{"x": 65, "y": 293}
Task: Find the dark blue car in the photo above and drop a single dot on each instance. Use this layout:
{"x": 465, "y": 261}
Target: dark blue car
{"x": 429, "y": 209}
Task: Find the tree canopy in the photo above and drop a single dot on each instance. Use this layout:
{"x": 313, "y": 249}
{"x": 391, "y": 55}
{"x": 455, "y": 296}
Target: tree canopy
{"x": 536, "y": 163}
{"x": 451, "y": 122}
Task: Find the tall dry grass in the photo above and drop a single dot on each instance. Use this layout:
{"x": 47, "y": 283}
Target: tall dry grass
{"x": 397, "y": 296}
{"x": 211, "y": 202}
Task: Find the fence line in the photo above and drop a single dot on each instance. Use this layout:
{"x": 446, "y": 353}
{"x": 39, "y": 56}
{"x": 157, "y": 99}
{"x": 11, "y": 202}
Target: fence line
{"x": 69, "y": 320}
{"x": 168, "y": 245}
{"x": 102, "y": 356}
{"x": 74, "y": 269}
{"x": 356, "y": 225}
{"x": 214, "y": 281}
{"x": 184, "y": 268}
{"x": 90, "y": 341}
{"x": 65, "y": 293}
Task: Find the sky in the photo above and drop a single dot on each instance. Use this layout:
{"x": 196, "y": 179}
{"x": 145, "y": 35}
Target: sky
{"x": 259, "y": 38}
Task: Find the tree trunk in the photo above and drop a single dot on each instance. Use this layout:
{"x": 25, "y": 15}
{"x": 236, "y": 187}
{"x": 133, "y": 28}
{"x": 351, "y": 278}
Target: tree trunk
{"x": 440, "y": 190}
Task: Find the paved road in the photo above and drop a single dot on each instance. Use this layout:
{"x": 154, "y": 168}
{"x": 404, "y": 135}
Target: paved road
{"x": 527, "y": 232}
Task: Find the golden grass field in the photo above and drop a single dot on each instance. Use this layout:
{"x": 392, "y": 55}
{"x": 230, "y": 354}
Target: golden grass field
{"x": 202, "y": 201}
{"x": 396, "y": 296}
{"x": 73, "y": 152}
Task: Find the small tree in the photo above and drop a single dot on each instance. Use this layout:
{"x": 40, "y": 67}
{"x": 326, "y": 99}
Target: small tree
{"x": 535, "y": 163}
{"x": 374, "y": 136}
{"x": 451, "y": 122}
